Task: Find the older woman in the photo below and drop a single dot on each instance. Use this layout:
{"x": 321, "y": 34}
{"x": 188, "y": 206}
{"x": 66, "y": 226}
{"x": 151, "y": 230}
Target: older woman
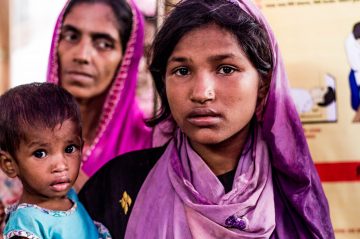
{"x": 96, "y": 49}
{"x": 237, "y": 165}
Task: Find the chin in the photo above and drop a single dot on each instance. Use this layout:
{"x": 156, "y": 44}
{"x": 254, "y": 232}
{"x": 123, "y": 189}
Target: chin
{"x": 78, "y": 92}
{"x": 206, "y": 138}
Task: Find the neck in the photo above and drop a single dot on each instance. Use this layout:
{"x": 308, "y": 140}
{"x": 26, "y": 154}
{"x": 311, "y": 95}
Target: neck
{"x": 90, "y": 110}
{"x": 57, "y": 204}
{"x": 223, "y": 157}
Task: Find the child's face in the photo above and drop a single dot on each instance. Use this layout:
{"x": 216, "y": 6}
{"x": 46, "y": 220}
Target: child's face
{"x": 48, "y": 161}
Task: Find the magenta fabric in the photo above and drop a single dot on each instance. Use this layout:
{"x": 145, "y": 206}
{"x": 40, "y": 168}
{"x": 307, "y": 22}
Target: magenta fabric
{"x": 174, "y": 200}
{"x": 121, "y": 128}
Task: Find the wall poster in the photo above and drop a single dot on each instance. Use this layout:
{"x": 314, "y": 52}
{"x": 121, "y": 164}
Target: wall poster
{"x": 320, "y": 44}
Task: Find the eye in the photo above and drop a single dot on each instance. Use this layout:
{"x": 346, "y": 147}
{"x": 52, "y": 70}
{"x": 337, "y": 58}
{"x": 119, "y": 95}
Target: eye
{"x": 182, "y": 71}
{"x": 69, "y": 36}
{"x": 40, "y": 153}
{"x": 226, "y": 70}
{"x": 71, "y": 149}
{"x": 104, "y": 44}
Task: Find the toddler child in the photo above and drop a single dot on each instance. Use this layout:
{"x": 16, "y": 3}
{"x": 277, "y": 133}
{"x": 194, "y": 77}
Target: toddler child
{"x": 40, "y": 143}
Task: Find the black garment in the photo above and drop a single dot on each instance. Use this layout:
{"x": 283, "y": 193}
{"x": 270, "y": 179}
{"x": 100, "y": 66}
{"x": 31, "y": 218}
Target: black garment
{"x": 102, "y": 194}
{"x": 227, "y": 180}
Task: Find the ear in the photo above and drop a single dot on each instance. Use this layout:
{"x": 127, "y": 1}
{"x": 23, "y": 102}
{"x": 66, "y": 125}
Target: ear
{"x": 8, "y": 164}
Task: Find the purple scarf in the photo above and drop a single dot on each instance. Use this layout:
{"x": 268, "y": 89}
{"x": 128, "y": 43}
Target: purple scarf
{"x": 181, "y": 198}
{"x": 184, "y": 199}
{"x": 121, "y": 127}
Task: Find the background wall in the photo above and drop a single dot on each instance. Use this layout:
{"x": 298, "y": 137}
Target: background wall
{"x": 4, "y": 45}
{"x": 311, "y": 35}
{"x": 31, "y": 26}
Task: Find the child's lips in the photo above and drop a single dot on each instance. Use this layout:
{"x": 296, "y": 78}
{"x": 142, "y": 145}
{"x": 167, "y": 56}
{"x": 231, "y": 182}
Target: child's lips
{"x": 60, "y": 184}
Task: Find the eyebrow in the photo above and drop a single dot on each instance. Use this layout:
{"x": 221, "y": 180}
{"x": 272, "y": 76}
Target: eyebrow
{"x": 36, "y": 144}
{"x": 221, "y": 57}
{"x": 74, "y": 140}
{"x": 214, "y": 58}
{"x": 95, "y": 35}
{"x": 178, "y": 59}
{"x": 69, "y": 28}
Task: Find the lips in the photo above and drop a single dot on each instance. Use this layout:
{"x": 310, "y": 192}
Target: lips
{"x": 79, "y": 76}
{"x": 60, "y": 184}
{"x": 204, "y": 117}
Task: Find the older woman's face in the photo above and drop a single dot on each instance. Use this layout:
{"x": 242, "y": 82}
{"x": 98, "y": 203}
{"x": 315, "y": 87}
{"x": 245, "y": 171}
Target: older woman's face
{"x": 211, "y": 86}
{"x": 89, "y": 50}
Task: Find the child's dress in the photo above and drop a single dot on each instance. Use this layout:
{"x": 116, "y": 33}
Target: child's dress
{"x": 31, "y": 221}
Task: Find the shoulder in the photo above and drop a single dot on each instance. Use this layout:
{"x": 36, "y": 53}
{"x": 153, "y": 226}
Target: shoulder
{"x": 21, "y": 222}
{"x": 110, "y": 193}
{"x": 135, "y": 163}
{"x": 128, "y": 170}
{"x": 20, "y": 212}
{"x": 130, "y": 166}
{"x": 139, "y": 158}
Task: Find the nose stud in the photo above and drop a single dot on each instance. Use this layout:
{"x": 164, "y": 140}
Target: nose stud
{"x": 202, "y": 97}
{"x": 210, "y": 94}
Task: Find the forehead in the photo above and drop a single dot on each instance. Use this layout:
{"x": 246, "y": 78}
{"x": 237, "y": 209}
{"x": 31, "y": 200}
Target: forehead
{"x": 211, "y": 39}
{"x": 61, "y": 131}
{"x": 93, "y": 17}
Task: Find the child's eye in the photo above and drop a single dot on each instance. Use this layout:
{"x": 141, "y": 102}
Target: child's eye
{"x": 226, "y": 70}
{"x": 40, "y": 153}
{"x": 182, "y": 71}
{"x": 71, "y": 149}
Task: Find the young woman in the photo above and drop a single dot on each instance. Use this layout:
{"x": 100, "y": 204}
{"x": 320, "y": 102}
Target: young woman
{"x": 237, "y": 164}
{"x": 96, "y": 49}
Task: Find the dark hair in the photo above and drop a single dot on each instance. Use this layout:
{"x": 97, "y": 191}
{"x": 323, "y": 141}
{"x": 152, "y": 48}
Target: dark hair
{"x": 190, "y": 14}
{"x": 40, "y": 105}
{"x": 328, "y": 98}
{"x": 121, "y": 10}
{"x": 356, "y": 30}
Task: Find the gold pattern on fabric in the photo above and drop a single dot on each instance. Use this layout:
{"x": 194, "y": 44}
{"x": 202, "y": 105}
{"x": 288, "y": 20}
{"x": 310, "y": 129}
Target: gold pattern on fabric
{"x": 125, "y": 202}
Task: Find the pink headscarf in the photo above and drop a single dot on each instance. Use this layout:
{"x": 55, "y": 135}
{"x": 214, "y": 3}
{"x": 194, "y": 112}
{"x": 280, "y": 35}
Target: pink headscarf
{"x": 121, "y": 127}
{"x": 276, "y": 190}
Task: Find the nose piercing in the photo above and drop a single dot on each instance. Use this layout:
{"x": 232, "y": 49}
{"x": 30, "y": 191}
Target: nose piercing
{"x": 210, "y": 94}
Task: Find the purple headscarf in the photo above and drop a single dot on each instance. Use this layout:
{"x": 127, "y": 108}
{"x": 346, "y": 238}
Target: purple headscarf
{"x": 121, "y": 127}
{"x": 276, "y": 191}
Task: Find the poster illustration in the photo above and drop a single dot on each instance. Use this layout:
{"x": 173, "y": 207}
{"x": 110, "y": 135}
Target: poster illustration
{"x": 320, "y": 44}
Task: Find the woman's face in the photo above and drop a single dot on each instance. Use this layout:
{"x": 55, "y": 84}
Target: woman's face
{"x": 211, "y": 85}
{"x": 89, "y": 50}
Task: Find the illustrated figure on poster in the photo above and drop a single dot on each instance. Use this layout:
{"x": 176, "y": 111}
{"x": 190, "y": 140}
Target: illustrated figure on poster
{"x": 308, "y": 101}
{"x": 352, "y": 47}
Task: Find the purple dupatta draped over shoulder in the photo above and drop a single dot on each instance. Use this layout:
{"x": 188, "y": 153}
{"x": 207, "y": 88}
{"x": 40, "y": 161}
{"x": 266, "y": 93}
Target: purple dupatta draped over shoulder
{"x": 276, "y": 191}
{"x": 121, "y": 127}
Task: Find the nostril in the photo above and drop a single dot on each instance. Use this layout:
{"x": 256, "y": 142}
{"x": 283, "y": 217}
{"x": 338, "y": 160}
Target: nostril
{"x": 81, "y": 61}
